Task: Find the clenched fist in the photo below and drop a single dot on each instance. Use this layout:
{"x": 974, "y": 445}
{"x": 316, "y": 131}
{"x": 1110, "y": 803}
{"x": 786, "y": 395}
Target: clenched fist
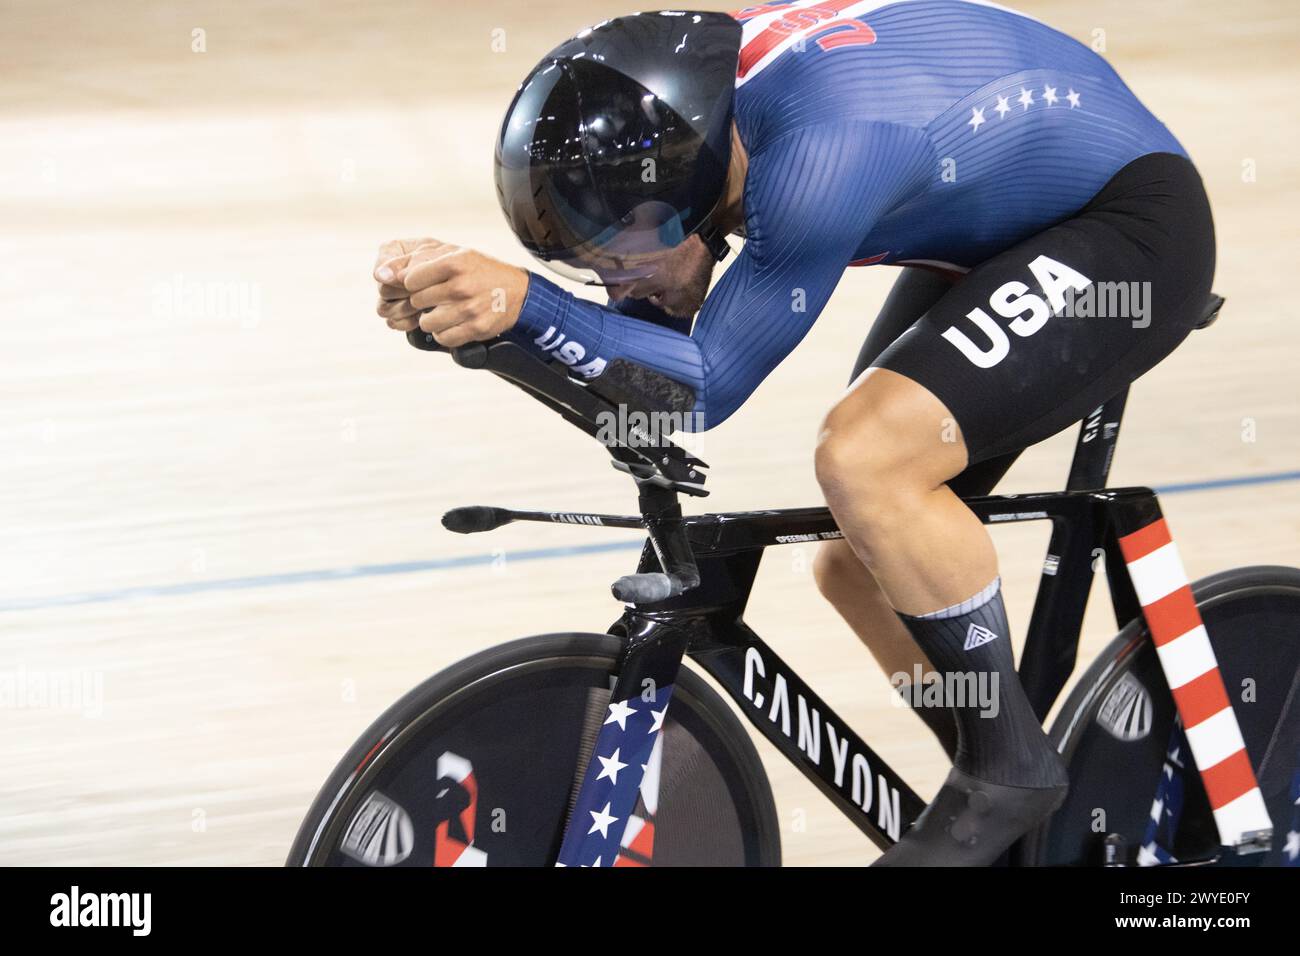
{"x": 455, "y": 293}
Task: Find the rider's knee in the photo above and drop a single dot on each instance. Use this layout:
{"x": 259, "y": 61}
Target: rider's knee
{"x": 883, "y": 447}
{"x": 858, "y": 455}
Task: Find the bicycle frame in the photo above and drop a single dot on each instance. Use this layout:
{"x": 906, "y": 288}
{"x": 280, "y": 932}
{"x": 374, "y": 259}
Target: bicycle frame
{"x": 694, "y": 579}
{"x": 1090, "y": 529}
{"x": 707, "y": 624}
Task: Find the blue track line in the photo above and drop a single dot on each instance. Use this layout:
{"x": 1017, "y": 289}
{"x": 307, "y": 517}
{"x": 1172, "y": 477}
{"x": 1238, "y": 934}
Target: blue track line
{"x": 1228, "y": 482}
{"x": 461, "y": 561}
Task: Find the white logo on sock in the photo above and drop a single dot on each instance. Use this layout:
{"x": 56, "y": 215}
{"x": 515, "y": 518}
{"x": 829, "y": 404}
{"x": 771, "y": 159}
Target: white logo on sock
{"x": 976, "y": 635}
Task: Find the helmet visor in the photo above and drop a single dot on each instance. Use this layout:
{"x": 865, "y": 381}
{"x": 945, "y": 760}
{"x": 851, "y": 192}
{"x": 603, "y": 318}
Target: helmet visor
{"x": 599, "y": 177}
{"x": 635, "y": 249}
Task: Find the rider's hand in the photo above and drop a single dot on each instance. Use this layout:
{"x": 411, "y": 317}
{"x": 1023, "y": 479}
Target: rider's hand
{"x": 455, "y": 293}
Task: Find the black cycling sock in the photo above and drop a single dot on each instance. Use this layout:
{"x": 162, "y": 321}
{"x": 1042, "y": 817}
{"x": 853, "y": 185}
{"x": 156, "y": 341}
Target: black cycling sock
{"x": 999, "y": 736}
{"x": 940, "y": 720}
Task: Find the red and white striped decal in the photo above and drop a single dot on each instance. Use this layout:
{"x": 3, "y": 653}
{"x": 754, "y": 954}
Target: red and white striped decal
{"x": 771, "y": 30}
{"x": 1192, "y": 672}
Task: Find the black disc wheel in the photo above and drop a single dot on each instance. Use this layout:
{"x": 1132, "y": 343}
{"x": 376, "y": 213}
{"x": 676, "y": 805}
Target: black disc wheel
{"x": 480, "y": 765}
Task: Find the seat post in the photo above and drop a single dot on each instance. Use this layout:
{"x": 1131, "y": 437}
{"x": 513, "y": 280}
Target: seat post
{"x": 1053, "y": 644}
{"x": 1095, "y": 447}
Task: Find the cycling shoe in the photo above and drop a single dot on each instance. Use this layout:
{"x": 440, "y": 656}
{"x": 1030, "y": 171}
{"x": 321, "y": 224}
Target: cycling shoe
{"x": 972, "y": 822}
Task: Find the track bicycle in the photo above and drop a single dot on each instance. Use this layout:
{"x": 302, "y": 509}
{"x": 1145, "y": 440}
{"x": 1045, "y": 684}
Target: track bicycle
{"x": 602, "y": 749}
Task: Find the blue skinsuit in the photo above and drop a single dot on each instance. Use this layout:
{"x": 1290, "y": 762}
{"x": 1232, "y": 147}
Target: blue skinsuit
{"x": 942, "y": 132}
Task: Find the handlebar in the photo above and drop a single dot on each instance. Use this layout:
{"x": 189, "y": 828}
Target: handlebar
{"x": 424, "y": 341}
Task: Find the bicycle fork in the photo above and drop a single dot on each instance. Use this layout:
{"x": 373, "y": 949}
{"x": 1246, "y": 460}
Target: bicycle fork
{"x": 613, "y": 818}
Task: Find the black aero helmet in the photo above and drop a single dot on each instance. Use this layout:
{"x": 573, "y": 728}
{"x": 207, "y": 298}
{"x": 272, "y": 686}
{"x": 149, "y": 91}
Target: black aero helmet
{"x": 617, "y": 144}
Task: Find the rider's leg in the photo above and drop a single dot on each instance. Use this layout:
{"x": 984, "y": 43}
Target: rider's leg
{"x": 962, "y": 387}
{"x": 847, "y": 584}
{"x": 884, "y": 456}
{"x": 886, "y": 453}
{"x": 850, "y": 588}
{"x": 883, "y": 462}
{"x": 841, "y": 576}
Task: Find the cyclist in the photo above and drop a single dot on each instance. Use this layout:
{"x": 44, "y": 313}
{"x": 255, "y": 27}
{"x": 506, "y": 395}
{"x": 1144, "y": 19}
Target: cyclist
{"x": 1003, "y": 166}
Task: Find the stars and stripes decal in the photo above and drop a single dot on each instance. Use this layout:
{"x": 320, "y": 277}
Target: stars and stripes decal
{"x": 1291, "y": 845}
{"x": 613, "y": 821}
{"x": 1192, "y": 672}
{"x": 1167, "y": 808}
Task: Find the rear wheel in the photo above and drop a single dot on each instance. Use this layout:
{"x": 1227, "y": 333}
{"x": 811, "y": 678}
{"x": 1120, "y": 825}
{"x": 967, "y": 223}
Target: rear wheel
{"x": 1117, "y": 727}
{"x": 480, "y": 765}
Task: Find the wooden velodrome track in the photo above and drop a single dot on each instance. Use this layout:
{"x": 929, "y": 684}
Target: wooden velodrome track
{"x": 222, "y": 476}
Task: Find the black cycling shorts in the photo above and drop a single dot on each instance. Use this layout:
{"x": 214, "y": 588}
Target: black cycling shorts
{"x": 1031, "y": 341}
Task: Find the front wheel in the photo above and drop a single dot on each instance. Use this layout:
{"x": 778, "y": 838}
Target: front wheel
{"x": 480, "y": 765}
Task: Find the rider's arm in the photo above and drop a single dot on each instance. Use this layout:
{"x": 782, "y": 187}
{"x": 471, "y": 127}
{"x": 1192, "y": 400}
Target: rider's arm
{"x": 811, "y": 197}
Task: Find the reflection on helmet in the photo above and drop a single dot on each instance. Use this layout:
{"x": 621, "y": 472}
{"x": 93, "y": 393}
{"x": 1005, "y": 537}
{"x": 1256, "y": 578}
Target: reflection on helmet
{"x": 616, "y": 146}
